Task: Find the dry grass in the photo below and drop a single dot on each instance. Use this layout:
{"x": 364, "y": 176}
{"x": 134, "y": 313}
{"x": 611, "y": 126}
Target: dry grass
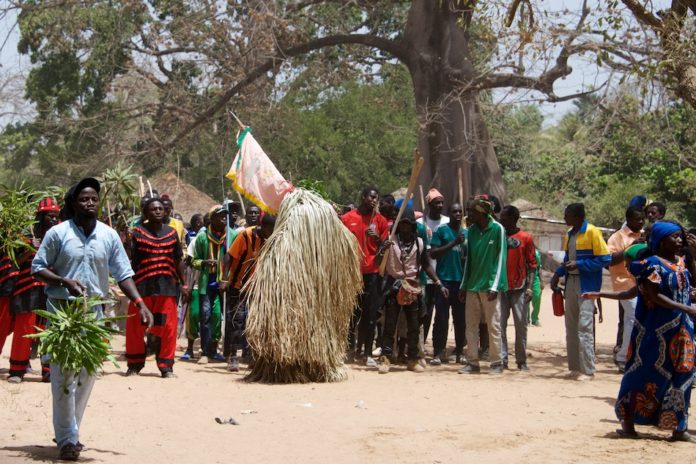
{"x": 302, "y": 294}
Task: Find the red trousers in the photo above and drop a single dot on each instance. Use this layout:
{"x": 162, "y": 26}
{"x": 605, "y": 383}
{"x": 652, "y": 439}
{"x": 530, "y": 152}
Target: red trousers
{"x": 165, "y": 315}
{"x": 24, "y": 324}
{"x": 5, "y": 320}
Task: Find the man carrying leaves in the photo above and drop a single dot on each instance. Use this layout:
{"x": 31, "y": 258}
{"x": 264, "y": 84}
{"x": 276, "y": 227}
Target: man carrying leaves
{"x": 75, "y": 259}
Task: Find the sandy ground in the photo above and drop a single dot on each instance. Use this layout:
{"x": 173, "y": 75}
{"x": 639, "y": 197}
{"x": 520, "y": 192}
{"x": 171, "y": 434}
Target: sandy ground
{"x": 434, "y": 417}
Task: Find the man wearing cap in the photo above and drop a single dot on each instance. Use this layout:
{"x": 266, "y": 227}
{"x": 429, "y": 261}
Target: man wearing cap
{"x": 28, "y": 294}
{"x": 621, "y": 278}
{"x": 432, "y": 221}
{"x": 209, "y": 250}
{"x": 485, "y": 277}
{"x": 75, "y": 258}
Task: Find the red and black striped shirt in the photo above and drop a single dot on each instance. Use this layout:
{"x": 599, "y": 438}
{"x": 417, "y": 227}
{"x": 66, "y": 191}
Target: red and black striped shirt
{"x": 154, "y": 259}
{"x": 8, "y": 275}
{"x": 28, "y": 293}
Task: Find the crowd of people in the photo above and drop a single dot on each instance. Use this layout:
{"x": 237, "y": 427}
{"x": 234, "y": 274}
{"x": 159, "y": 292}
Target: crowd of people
{"x": 474, "y": 263}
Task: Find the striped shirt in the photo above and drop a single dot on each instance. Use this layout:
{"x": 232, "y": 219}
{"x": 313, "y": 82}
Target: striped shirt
{"x": 485, "y": 266}
{"x": 243, "y": 252}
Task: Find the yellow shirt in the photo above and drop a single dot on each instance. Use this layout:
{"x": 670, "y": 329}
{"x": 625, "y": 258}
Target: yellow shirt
{"x": 623, "y": 238}
{"x": 177, "y": 225}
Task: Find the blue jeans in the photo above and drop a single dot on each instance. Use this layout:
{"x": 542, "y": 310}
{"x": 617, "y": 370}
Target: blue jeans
{"x": 70, "y": 394}
{"x": 207, "y": 301}
{"x": 68, "y": 408}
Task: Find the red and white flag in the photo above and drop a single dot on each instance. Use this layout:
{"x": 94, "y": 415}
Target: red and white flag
{"x": 254, "y": 175}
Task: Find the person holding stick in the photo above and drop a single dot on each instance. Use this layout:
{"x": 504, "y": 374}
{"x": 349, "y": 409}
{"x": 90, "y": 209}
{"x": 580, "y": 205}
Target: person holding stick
{"x": 75, "y": 258}
{"x": 406, "y": 259}
{"x": 208, "y": 252}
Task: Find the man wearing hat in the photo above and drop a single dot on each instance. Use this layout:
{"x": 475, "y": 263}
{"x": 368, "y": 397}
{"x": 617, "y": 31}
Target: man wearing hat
{"x": 28, "y": 294}
{"x": 75, "y": 258}
{"x": 208, "y": 252}
{"x": 432, "y": 221}
{"x": 485, "y": 277}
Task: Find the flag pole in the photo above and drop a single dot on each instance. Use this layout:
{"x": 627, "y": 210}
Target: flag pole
{"x": 239, "y": 122}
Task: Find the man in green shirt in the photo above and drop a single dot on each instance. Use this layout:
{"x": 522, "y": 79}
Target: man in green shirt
{"x": 484, "y": 278}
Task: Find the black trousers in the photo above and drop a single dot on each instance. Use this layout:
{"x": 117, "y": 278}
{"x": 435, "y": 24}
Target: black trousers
{"x": 235, "y": 324}
{"x": 362, "y": 325}
{"x": 391, "y": 318}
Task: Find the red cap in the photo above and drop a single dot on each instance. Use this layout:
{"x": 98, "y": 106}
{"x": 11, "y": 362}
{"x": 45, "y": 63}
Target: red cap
{"x": 48, "y": 204}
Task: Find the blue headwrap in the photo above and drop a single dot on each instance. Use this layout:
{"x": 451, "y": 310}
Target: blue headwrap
{"x": 639, "y": 201}
{"x": 661, "y": 230}
{"x": 400, "y": 202}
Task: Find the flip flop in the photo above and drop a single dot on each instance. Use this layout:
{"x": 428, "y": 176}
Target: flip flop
{"x": 628, "y": 435}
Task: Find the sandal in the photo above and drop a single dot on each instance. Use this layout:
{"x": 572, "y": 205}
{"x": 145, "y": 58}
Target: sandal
{"x": 69, "y": 452}
{"x": 625, "y": 434}
{"x": 683, "y": 436}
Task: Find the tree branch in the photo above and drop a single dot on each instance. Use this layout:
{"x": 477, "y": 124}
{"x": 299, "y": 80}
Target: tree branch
{"x": 394, "y": 48}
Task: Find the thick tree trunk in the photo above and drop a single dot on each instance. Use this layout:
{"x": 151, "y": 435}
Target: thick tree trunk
{"x": 453, "y": 134}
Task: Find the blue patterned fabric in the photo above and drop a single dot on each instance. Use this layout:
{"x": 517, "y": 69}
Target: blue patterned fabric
{"x": 656, "y": 388}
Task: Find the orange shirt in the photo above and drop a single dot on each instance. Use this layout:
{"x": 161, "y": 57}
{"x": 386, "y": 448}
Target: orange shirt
{"x": 243, "y": 252}
{"x": 623, "y": 238}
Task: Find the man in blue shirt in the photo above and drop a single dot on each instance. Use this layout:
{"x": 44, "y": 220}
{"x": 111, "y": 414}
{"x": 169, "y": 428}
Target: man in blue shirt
{"x": 75, "y": 258}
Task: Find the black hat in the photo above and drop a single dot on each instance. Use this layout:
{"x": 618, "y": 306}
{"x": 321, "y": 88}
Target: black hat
{"x": 408, "y": 216}
{"x": 83, "y": 184}
{"x": 71, "y": 195}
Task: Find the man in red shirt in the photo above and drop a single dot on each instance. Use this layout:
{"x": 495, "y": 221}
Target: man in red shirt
{"x": 371, "y": 229}
{"x": 521, "y": 265}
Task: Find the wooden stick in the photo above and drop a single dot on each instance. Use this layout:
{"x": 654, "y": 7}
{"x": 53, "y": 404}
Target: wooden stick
{"x": 241, "y": 126}
{"x": 241, "y": 202}
{"x": 149, "y": 186}
{"x": 461, "y": 188}
{"x": 422, "y": 198}
{"x": 415, "y": 170}
{"x": 108, "y": 211}
{"x": 142, "y": 186}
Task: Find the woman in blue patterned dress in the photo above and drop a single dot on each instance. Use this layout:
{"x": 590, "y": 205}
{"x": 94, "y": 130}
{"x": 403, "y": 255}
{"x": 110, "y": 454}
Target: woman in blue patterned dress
{"x": 656, "y": 387}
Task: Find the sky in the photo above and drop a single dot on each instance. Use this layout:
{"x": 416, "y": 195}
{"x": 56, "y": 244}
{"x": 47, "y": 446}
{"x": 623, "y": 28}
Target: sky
{"x": 585, "y": 74}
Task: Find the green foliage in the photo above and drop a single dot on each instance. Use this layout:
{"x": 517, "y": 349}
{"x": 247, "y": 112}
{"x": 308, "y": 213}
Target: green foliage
{"x": 603, "y": 155}
{"x": 74, "y": 338}
{"x": 17, "y": 209}
{"x": 355, "y": 136}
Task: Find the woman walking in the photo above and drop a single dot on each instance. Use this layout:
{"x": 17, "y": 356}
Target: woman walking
{"x": 656, "y": 388}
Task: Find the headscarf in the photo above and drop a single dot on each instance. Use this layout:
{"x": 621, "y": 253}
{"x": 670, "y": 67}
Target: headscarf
{"x": 433, "y": 194}
{"x": 660, "y": 231}
{"x": 639, "y": 201}
{"x": 482, "y": 204}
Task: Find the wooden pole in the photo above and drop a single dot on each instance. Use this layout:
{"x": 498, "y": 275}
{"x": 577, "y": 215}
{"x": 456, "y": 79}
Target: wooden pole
{"x": 415, "y": 170}
{"x": 422, "y": 198}
{"x": 239, "y": 122}
{"x": 108, "y": 211}
{"x": 461, "y": 187}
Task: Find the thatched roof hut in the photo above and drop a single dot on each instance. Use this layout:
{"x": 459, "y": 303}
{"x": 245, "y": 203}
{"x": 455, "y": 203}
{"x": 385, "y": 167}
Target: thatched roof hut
{"x": 187, "y": 199}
